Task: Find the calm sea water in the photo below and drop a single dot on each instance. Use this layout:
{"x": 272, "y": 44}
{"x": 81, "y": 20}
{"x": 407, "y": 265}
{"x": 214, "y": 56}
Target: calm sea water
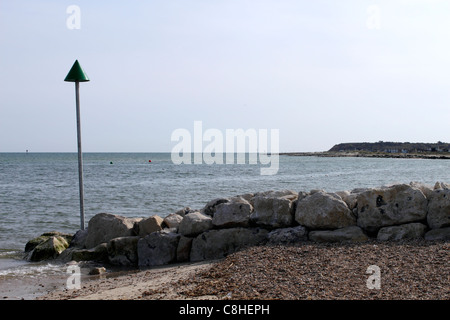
{"x": 39, "y": 191}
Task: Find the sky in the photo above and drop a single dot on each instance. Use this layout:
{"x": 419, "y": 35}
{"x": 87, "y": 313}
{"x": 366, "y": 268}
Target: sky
{"x": 321, "y": 72}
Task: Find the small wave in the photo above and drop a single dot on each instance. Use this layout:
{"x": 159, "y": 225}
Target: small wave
{"x": 23, "y": 268}
{"x": 10, "y": 254}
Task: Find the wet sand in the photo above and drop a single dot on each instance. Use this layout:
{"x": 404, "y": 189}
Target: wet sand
{"x": 157, "y": 283}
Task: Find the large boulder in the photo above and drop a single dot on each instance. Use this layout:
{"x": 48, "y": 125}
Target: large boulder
{"x": 321, "y": 210}
{"x": 439, "y": 209}
{"x": 123, "y": 251}
{"x": 210, "y": 207}
{"x": 287, "y": 235}
{"x": 33, "y": 243}
{"x": 194, "y": 223}
{"x": 173, "y": 220}
{"x": 404, "y": 231}
{"x": 438, "y": 234}
{"x": 158, "y": 248}
{"x": 272, "y": 212}
{"x": 48, "y": 249}
{"x": 99, "y": 253}
{"x": 387, "y": 206}
{"x": 79, "y": 239}
{"x": 104, "y": 227}
{"x": 232, "y": 214}
{"x": 215, "y": 244}
{"x": 149, "y": 225}
{"x": 184, "y": 249}
{"x": 347, "y": 234}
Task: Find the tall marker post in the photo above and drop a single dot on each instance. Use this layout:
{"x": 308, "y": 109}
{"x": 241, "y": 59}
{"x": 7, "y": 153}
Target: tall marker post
{"x": 77, "y": 75}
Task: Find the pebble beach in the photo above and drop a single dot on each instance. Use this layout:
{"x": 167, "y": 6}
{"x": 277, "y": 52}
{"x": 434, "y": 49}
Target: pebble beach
{"x": 409, "y": 270}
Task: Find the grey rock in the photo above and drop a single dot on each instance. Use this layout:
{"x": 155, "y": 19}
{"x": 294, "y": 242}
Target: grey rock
{"x": 79, "y": 239}
{"x": 316, "y": 191}
{"x": 288, "y": 235}
{"x": 195, "y": 223}
{"x": 349, "y": 198}
{"x": 184, "y": 249}
{"x": 301, "y": 195}
{"x": 439, "y": 209}
{"x": 49, "y": 249}
{"x": 66, "y": 255}
{"x": 438, "y": 234}
{"x": 215, "y": 244}
{"x": 387, "y": 206}
{"x": 149, "y": 225}
{"x": 426, "y": 190}
{"x": 347, "y": 234}
{"x": 232, "y": 214}
{"x": 173, "y": 220}
{"x": 210, "y": 207}
{"x": 184, "y": 211}
{"x": 33, "y": 243}
{"x": 158, "y": 248}
{"x": 321, "y": 210}
{"x": 272, "y": 212}
{"x": 404, "y": 231}
{"x": 123, "y": 251}
{"x": 441, "y": 186}
{"x": 286, "y": 194}
{"x": 359, "y": 190}
{"x": 98, "y": 253}
{"x": 104, "y": 227}
{"x": 246, "y": 196}
{"x": 97, "y": 271}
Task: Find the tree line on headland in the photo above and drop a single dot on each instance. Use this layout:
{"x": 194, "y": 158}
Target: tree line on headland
{"x": 381, "y": 149}
{"x": 392, "y": 147}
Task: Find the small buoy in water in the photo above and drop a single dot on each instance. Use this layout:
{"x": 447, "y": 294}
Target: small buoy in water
{"x": 149, "y": 160}
{"x": 110, "y": 162}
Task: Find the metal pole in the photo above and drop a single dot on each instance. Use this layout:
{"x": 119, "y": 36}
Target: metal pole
{"x": 80, "y": 158}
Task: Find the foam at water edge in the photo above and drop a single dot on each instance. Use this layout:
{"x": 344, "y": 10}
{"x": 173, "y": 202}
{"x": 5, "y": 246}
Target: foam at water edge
{"x": 22, "y": 268}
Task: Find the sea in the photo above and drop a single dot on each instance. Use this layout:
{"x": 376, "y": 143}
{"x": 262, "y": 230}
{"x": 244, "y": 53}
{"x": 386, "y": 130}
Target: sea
{"x": 39, "y": 193}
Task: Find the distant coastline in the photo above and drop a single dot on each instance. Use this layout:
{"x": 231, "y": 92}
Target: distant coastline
{"x": 383, "y": 149}
{"x": 368, "y": 154}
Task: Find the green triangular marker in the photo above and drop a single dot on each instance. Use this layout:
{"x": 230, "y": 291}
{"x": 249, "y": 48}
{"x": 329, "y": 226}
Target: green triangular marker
{"x": 76, "y": 74}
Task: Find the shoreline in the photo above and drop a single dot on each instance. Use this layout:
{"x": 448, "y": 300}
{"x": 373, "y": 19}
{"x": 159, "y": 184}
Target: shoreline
{"x": 366, "y": 154}
{"x": 410, "y": 269}
{"x": 160, "y": 283}
{"x": 273, "y": 239}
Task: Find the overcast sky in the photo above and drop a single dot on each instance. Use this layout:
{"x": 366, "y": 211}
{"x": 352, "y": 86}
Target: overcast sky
{"x": 321, "y": 72}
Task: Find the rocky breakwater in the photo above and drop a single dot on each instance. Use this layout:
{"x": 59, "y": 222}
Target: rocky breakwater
{"x": 226, "y": 225}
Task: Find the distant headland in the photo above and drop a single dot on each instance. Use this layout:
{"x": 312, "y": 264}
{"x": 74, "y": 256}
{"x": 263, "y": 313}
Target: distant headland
{"x": 382, "y": 149}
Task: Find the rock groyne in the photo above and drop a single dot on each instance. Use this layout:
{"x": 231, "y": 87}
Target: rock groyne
{"x": 226, "y": 225}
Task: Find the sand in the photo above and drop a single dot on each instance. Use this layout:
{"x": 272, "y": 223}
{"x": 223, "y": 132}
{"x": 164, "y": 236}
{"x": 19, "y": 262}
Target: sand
{"x": 158, "y": 282}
